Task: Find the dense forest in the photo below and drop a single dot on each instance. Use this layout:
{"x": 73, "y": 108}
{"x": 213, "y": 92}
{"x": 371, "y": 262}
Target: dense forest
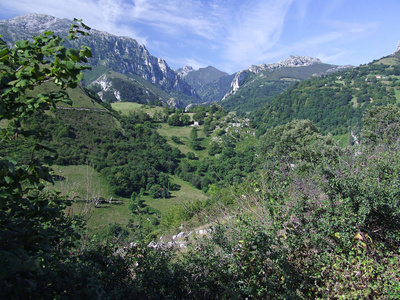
{"x": 288, "y": 214}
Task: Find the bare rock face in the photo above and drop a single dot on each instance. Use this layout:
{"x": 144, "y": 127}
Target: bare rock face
{"x": 235, "y": 84}
{"x": 106, "y": 86}
{"x": 184, "y": 71}
{"x": 292, "y": 61}
{"x": 398, "y": 47}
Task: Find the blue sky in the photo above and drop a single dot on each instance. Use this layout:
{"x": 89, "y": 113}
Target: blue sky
{"x": 233, "y": 35}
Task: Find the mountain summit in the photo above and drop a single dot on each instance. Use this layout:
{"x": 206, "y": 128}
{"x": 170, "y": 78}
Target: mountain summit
{"x": 398, "y": 47}
{"x": 184, "y": 71}
{"x": 292, "y": 61}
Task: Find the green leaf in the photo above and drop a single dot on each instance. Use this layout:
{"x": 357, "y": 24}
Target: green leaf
{"x": 80, "y": 76}
{"x": 85, "y": 26}
{"x": 70, "y": 65}
{"x": 21, "y": 44}
{"x": 8, "y": 179}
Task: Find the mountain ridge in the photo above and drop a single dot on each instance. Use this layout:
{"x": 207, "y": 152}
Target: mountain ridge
{"x": 119, "y": 53}
{"x": 181, "y": 87}
{"x": 202, "y": 76}
{"x": 293, "y": 61}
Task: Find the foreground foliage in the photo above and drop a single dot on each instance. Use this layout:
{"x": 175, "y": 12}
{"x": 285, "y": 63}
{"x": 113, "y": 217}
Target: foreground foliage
{"x": 42, "y": 251}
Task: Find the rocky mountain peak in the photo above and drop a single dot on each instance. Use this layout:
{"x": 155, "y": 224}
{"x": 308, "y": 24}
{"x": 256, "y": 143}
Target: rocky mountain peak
{"x": 300, "y": 61}
{"x": 184, "y": 71}
{"x": 292, "y": 61}
{"x": 37, "y": 22}
{"x": 398, "y": 47}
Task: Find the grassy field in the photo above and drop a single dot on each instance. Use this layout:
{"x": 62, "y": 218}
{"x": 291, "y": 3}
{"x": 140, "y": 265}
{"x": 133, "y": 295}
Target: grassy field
{"x": 83, "y": 182}
{"x": 242, "y": 145}
{"x": 186, "y": 193}
{"x": 167, "y": 131}
{"x": 343, "y": 139}
{"x": 397, "y": 95}
{"x": 79, "y": 97}
{"x": 127, "y": 107}
{"x": 100, "y": 216}
{"x": 183, "y": 133}
{"x": 388, "y": 61}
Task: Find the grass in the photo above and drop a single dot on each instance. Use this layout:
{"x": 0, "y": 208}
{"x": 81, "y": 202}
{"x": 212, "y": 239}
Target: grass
{"x": 80, "y": 99}
{"x": 128, "y": 107}
{"x": 182, "y": 132}
{"x": 388, "y": 61}
{"x": 179, "y": 131}
{"x": 343, "y": 139}
{"x": 94, "y": 73}
{"x": 354, "y": 101}
{"x": 249, "y": 141}
{"x": 100, "y": 216}
{"x": 83, "y": 182}
{"x": 397, "y": 95}
{"x": 186, "y": 193}
{"x": 167, "y": 131}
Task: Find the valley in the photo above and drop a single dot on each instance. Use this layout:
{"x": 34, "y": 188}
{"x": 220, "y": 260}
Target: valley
{"x": 291, "y": 169}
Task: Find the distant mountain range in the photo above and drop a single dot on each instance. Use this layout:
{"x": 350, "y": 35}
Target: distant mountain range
{"x": 123, "y": 70}
{"x": 211, "y": 84}
{"x": 251, "y": 88}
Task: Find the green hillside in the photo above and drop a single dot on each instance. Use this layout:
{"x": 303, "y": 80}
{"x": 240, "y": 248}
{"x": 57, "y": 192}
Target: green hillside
{"x": 82, "y": 183}
{"x": 335, "y": 102}
{"x": 256, "y": 89}
{"x": 216, "y": 90}
{"x": 204, "y": 76}
{"x": 251, "y": 97}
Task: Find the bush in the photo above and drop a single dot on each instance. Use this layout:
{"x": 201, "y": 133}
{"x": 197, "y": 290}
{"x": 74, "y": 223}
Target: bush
{"x": 175, "y": 139}
{"x": 191, "y": 155}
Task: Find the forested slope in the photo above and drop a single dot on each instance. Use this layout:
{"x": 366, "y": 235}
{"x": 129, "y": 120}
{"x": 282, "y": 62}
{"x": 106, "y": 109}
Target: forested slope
{"x": 335, "y": 102}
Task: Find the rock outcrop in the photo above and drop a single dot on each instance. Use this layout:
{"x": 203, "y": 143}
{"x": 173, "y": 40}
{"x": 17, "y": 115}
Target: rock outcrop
{"x": 184, "y": 71}
{"x": 398, "y": 47}
{"x": 291, "y": 62}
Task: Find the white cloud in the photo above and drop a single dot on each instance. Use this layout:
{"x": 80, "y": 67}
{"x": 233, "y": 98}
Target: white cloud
{"x": 331, "y": 58}
{"x": 256, "y": 30}
{"x": 352, "y": 27}
{"x": 194, "y": 63}
{"x": 302, "y": 8}
{"x": 176, "y": 17}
